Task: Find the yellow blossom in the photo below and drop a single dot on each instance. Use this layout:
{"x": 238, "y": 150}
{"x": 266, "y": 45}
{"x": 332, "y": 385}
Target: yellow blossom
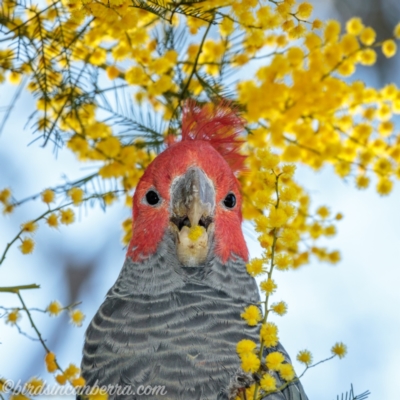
{"x": 109, "y": 147}
{"x": 305, "y": 357}
{"x": 34, "y": 386}
{"x": 389, "y": 48}
{"x": 109, "y": 198}
{"x": 304, "y": 10}
{"x": 346, "y": 68}
{"x": 252, "y": 315}
{"x": 136, "y": 76}
{"x": 279, "y": 308}
{"x": 354, "y": 26}
{"x": 317, "y": 24}
{"x": 384, "y": 186}
{"x": 269, "y": 286}
{"x": 288, "y": 170}
{"x": 362, "y": 181}
{"x": 250, "y": 362}
{"x": 367, "y": 57}
{"x": 288, "y": 194}
{"x": 76, "y": 195}
{"x": 332, "y": 31}
{"x": 50, "y": 360}
{"x": 268, "y": 383}
{"x": 13, "y": 317}
{"x": 112, "y": 72}
{"x": 274, "y": 360}
{"x": 268, "y": 160}
{"x": 277, "y": 217}
{"x": 266, "y": 240}
{"x": 98, "y": 395}
{"x": 98, "y": 57}
{"x": 71, "y": 371}
{"x": 245, "y": 346}
{"x": 323, "y": 212}
{"x": 339, "y": 349}
{"x": 396, "y": 31}
{"x": 255, "y": 267}
{"x": 15, "y": 77}
{"x": 29, "y": 227}
{"x": 77, "y": 317}
{"x": 334, "y": 257}
{"x": 27, "y": 245}
{"x": 61, "y": 379}
{"x": 52, "y": 220}
{"x": 67, "y": 216}
{"x": 330, "y": 230}
{"x": 289, "y": 236}
{"x": 48, "y": 196}
{"x": 226, "y": 27}
{"x": 5, "y": 195}
{"x": 18, "y": 396}
{"x": 349, "y": 44}
{"x": 386, "y": 128}
{"x": 78, "y": 382}
{"x": 54, "y": 308}
{"x": 368, "y": 36}
{"x": 286, "y": 372}
{"x": 269, "y": 334}
{"x": 283, "y": 261}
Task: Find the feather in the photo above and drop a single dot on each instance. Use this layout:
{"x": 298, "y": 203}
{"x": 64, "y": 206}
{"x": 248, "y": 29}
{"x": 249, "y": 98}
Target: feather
{"x": 218, "y": 124}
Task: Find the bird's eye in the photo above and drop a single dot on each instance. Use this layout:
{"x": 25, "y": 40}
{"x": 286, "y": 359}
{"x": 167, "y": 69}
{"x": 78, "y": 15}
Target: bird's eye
{"x": 230, "y": 200}
{"x": 152, "y": 197}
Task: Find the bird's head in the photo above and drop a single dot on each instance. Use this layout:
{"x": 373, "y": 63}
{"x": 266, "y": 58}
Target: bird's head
{"x": 191, "y": 190}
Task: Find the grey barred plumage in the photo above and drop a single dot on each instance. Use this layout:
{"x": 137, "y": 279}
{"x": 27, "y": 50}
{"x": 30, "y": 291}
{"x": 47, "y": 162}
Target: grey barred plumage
{"x": 163, "y": 324}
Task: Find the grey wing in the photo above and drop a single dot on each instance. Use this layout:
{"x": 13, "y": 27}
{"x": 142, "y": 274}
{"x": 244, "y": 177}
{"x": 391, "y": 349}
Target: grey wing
{"x": 108, "y": 347}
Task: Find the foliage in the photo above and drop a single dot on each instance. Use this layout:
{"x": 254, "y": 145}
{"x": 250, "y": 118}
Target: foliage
{"x": 110, "y": 78}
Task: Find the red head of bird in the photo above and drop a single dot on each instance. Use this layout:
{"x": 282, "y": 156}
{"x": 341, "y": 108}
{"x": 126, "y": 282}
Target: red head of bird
{"x": 191, "y": 190}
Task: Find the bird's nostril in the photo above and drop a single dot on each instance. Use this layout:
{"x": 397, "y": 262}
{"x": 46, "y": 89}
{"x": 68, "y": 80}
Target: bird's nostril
{"x": 205, "y": 221}
{"x": 180, "y": 222}
{"x": 184, "y": 222}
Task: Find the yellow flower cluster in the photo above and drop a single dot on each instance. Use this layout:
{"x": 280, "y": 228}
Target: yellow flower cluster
{"x": 274, "y": 361}
{"x": 76, "y": 317}
{"x": 54, "y": 308}
{"x": 305, "y": 357}
{"x": 50, "y": 361}
{"x": 252, "y": 315}
{"x": 70, "y": 374}
{"x": 5, "y": 199}
{"x": 339, "y": 349}
{"x": 34, "y": 386}
{"x": 275, "y": 221}
{"x": 13, "y": 317}
{"x": 291, "y": 220}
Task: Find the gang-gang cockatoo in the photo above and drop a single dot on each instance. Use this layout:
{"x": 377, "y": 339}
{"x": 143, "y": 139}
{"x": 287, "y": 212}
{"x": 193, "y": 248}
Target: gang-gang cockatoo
{"x": 172, "y": 318}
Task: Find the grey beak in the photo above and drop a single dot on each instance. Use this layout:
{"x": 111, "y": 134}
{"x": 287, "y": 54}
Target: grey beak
{"x": 192, "y": 199}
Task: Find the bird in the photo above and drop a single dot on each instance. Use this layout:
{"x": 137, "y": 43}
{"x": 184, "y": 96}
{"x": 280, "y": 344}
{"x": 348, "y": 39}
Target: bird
{"x": 170, "y": 324}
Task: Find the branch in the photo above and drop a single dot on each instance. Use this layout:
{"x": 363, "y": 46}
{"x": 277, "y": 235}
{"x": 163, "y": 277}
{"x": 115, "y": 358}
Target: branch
{"x": 16, "y": 289}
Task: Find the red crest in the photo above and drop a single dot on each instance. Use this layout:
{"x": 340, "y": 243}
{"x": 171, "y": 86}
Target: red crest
{"x": 218, "y": 124}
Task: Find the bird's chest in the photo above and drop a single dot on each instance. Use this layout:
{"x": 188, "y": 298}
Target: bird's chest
{"x": 193, "y": 319}
{"x": 188, "y": 336}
